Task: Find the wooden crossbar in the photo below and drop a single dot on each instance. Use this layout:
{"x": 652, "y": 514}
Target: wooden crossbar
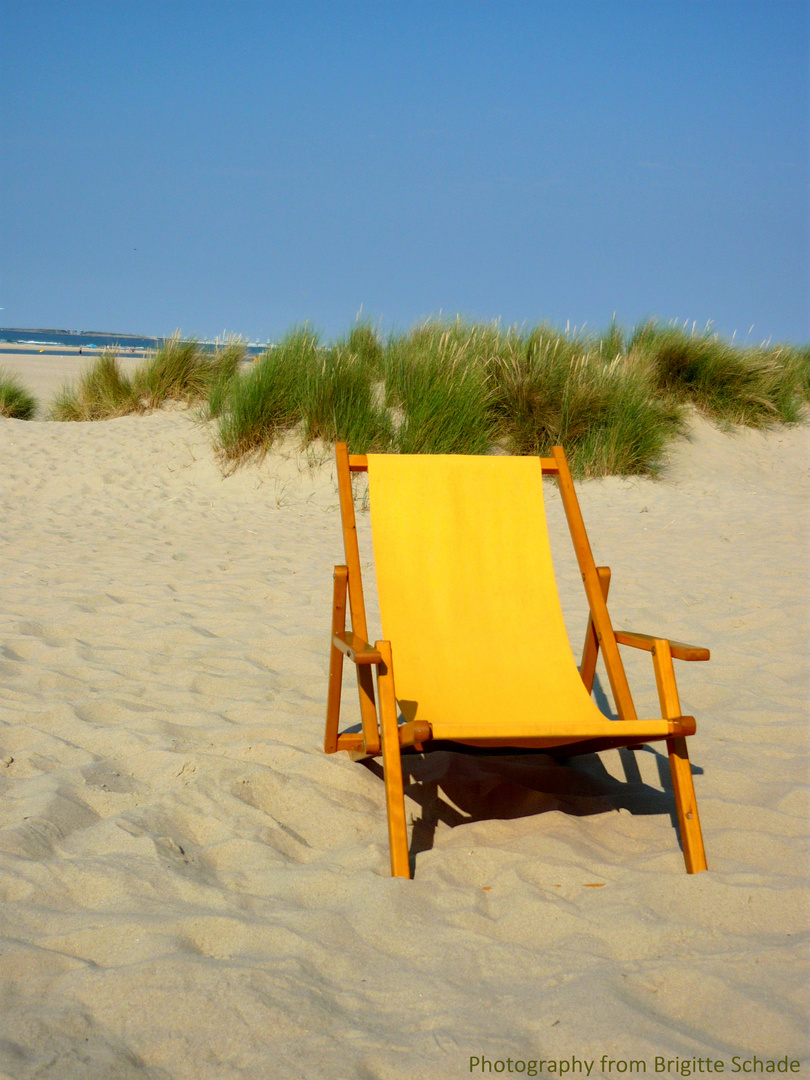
{"x": 679, "y": 649}
{"x": 359, "y": 463}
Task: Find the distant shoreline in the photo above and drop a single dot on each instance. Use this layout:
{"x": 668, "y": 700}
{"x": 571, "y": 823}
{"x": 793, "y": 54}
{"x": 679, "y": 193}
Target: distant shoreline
{"x": 97, "y": 339}
{"x": 77, "y": 338}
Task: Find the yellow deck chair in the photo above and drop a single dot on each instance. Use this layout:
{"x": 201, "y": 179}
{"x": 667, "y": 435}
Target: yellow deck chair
{"x": 475, "y": 650}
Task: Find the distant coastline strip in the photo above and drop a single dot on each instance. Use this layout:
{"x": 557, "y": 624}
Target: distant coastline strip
{"x": 101, "y": 339}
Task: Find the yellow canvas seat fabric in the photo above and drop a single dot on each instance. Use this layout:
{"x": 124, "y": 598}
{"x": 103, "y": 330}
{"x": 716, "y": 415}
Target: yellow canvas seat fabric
{"x": 469, "y": 601}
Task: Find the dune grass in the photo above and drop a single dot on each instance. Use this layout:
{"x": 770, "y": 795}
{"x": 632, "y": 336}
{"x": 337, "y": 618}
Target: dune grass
{"x": 15, "y": 401}
{"x": 586, "y": 395}
{"x": 183, "y": 371}
{"x": 752, "y": 386}
{"x": 180, "y": 371}
{"x": 338, "y": 402}
{"x": 364, "y": 342}
{"x": 437, "y": 383}
{"x": 102, "y": 392}
{"x": 801, "y": 363}
{"x": 267, "y": 399}
{"x": 614, "y": 400}
{"x": 225, "y": 367}
{"x": 329, "y": 391}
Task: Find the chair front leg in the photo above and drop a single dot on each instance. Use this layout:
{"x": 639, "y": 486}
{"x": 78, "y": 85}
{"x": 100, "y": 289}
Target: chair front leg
{"x": 330, "y": 742}
{"x": 392, "y": 765}
{"x": 683, "y": 787}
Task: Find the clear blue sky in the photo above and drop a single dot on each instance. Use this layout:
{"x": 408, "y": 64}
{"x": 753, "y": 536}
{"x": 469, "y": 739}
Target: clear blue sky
{"x": 245, "y": 165}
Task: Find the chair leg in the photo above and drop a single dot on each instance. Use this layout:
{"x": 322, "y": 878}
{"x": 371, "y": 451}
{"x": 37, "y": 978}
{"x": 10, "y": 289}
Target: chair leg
{"x": 392, "y": 765}
{"x": 330, "y": 742}
{"x": 685, "y": 802}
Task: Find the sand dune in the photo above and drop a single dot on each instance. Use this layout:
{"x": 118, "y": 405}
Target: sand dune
{"x": 191, "y": 889}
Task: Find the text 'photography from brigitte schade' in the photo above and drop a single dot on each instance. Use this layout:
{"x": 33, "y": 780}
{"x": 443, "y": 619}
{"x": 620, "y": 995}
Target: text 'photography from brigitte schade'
{"x": 608, "y": 1066}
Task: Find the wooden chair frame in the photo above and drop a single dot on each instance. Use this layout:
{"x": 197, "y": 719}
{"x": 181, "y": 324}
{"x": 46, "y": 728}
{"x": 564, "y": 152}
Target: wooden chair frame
{"x": 380, "y": 732}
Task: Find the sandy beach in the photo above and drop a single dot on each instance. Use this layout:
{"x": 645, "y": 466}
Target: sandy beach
{"x": 44, "y": 370}
{"x": 190, "y": 889}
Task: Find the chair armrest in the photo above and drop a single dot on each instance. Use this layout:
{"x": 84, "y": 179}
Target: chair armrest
{"x": 679, "y": 650}
{"x": 355, "y": 648}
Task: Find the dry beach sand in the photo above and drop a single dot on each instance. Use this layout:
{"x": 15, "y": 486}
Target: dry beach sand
{"x": 191, "y": 889}
{"x": 44, "y": 369}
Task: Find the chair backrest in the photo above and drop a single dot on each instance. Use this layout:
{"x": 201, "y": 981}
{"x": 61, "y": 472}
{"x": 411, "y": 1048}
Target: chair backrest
{"x": 467, "y": 592}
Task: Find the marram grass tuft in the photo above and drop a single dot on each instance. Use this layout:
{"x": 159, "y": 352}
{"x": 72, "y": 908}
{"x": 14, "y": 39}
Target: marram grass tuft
{"x": 102, "y": 392}
{"x": 15, "y": 401}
